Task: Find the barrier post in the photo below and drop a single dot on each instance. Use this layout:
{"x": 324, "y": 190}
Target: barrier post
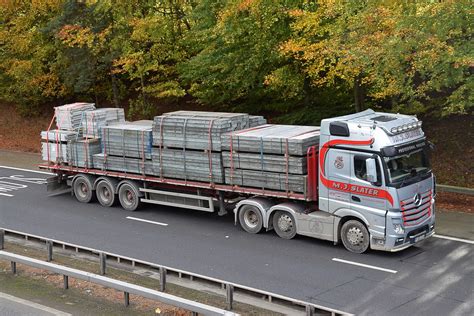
{"x": 49, "y": 249}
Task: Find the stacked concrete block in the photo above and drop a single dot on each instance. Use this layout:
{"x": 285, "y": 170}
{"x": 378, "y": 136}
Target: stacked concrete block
{"x": 196, "y": 130}
{"x": 271, "y": 157}
{"x": 273, "y": 139}
{"x": 188, "y": 165}
{"x": 95, "y": 120}
{"x": 123, "y": 164}
{"x": 70, "y": 116}
{"x": 188, "y": 143}
{"x": 54, "y": 145}
{"x": 255, "y": 120}
{"x": 80, "y": 152}
{"x": 266, "y": 180}
{"x": 264, "y": 162}
{"x": 128, "y": 139}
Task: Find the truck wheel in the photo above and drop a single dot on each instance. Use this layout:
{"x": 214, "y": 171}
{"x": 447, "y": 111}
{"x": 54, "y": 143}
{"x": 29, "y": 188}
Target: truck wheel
{"x": 105, "y": 193}
{"x": 251, "y": 219}
{"x": 129, "y": 197}
{"x": 284, "y": 224}
{"x": 355, "y": 236}
{"x": 83, "y": 189}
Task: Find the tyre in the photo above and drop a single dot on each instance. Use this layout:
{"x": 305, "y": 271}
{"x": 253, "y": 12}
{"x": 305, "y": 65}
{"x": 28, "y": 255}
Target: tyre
{"x": 83, "y": 189}
{"x": 251, "y": 219}
{"x": 355, "y": 236}
{"x": 284, "y": 224}
{"x": 129, "y": 196}
{"x": 105, "y": 193}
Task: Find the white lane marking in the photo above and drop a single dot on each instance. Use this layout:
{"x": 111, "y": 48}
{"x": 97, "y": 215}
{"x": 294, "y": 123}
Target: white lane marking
{"x": 364, "y": 265}
{"x": 33, "y": 305}
{"x": 146, "y": 221}
{"x": 4, "y": 194}
{"x": 455, "y": 239}
{"x": 29, "y": 170}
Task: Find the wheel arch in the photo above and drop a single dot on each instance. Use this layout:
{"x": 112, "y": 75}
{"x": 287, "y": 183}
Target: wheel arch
{"x": 261, "y": 203}
{"x": 290, "y": 207}
{"x": 343, "y": 216}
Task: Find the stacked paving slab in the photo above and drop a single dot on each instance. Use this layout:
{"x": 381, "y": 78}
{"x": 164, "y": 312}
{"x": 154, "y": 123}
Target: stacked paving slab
{"x": 223, "y": 148}
{"x": 55, "y": 143}
{"x": 270, "y": 157}
{"x": 77, "y": 137}
{"x": 126, "y": 147}
{"x": 95, "y": 120}
{"x": 187, "y": 144}
{"x": 69, "y": 116}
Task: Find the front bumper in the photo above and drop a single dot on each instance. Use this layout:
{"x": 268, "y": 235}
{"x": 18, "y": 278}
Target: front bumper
{"x": 394, "y": 243}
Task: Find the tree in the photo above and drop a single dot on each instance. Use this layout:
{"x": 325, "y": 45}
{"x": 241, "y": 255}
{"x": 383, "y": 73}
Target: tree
{"x": 235, "y": 46}
{"x": 28, "y": 75}
{"x": 398, "y": 55}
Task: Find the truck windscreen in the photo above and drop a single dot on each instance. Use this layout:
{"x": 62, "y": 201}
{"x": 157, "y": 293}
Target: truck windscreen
{"x": 402, "y": 168}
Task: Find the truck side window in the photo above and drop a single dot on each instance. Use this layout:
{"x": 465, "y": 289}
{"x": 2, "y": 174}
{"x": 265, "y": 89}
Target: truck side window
{"x": 360, "y": 170}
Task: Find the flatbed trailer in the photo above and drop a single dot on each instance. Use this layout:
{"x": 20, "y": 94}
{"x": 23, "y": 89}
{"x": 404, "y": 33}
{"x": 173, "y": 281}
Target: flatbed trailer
{"x": 368, "y": 185}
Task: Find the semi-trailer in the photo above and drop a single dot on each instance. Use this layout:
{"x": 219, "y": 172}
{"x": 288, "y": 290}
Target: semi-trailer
{"x": 362, "y": 179}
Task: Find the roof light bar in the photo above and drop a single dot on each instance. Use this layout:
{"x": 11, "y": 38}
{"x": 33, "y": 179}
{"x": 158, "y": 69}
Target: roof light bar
{"x": 406, "y": 127}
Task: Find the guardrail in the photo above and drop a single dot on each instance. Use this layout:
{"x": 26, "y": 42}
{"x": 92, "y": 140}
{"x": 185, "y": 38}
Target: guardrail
{"x": 126, "y": 288}
{"x": 230, "y": 287}
{"x": 454, "y": 189}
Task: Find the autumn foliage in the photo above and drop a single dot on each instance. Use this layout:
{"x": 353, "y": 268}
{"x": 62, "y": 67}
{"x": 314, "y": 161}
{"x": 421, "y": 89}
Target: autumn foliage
{"x": 297, "y": 60}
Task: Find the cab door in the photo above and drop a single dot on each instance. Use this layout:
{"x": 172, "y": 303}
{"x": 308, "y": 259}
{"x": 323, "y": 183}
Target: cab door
{"x": 368, "y": 199}
{"x": 338, "y": 171}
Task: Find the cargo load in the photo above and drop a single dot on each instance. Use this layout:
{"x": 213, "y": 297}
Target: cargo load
{"x": 95, "y": 120}
{"x": 271, "y": 157}
{"x": 196, "y": 130}
{"x": 70, "y": 116}
{"x": 188, "y": 165}
{"x": 54, "y": 145}
{"x": 128, "y": 139}
{"x": 273, "y": 139}
{"x": 80, "y": 152}
{"x": 122, "y": 164}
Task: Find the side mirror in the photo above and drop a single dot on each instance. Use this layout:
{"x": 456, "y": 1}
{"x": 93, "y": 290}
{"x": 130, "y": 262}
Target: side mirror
{"x": 371, "y": 167}
{"x": 432, "y": 146}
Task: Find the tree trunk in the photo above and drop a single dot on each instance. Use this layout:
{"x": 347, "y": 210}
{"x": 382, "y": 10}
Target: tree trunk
{"x": 115, "y": 91}
{"x": 142, "y": 82}
{"x": 359, "y": 94}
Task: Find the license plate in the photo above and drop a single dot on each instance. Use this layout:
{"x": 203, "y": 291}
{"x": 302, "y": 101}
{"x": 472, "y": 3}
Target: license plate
{"x": 419, "y": 238}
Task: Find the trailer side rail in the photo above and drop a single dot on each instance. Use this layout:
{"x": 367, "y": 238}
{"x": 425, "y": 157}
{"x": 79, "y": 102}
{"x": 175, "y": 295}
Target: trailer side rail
{"x": 194, "y": 184}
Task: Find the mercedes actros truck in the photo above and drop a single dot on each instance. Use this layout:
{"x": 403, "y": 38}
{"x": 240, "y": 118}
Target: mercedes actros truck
{"x": 369, "y": 185}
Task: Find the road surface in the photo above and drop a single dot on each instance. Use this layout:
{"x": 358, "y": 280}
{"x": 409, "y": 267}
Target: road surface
{"x": 434, "y": 278}
{"x": 14, "y": 306}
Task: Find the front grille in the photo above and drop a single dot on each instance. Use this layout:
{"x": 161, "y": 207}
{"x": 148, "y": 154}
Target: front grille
{"x": 412, "y": 214}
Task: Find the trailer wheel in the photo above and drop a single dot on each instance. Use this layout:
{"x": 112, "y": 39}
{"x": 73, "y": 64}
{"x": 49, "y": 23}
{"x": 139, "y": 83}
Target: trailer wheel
{"x": 251, "y": 219}
{"x": 129, "y": 196}
{"x": 105, "y": 193}
{"x": 284, "y": 224}
{"x": 355, "y": 236}
{"x": 83, "y": 189}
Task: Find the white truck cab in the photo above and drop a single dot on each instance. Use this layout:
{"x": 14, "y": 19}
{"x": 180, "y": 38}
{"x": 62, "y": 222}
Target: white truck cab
{"x": 374, "y": 174}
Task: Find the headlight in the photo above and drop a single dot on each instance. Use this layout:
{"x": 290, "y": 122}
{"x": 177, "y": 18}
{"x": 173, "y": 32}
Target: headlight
{"x": 398, "y": 228}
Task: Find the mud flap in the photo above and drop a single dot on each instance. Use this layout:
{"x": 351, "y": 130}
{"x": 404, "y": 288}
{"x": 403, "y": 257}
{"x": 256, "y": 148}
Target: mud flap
{"x": 57, "y": 185}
